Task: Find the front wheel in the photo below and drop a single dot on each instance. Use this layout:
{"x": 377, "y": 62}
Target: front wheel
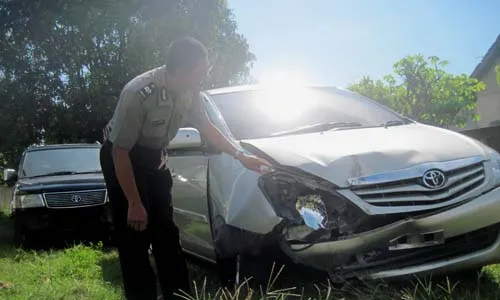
{"x": 256, "y": 269}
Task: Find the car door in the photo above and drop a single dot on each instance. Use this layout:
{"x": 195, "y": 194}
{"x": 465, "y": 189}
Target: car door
{"x": 189, "y": 197}
{"x": 189, "y": 167}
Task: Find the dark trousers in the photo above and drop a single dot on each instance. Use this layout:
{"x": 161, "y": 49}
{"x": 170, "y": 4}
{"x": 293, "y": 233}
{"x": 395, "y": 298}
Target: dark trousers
{"x": 162, "y": 234}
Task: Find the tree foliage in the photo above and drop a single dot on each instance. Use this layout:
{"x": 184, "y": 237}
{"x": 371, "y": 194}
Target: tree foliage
{"x": 63, "y": 63}
{"x": 421, "y": 89}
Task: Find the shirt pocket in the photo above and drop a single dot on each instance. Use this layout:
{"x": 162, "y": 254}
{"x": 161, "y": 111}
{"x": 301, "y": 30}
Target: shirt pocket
{"x": 156, "y": 123}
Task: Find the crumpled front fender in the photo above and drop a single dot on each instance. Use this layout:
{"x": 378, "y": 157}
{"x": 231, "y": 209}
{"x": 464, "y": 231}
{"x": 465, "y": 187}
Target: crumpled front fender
{"x": 236, "y": 197}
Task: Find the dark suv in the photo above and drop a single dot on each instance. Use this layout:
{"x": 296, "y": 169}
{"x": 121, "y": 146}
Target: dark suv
{"x": 59, "y": 188}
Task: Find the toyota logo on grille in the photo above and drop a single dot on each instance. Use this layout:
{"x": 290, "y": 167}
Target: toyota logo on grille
{"x": 434, "y": 179}
{"x": 76, "y": 198}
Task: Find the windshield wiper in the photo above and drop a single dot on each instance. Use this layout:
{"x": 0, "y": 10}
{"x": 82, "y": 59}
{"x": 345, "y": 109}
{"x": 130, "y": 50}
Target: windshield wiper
{"x": 89, "y": 172}
{"x": 396, "y": 122}
{"x": 318, "y": 127}
{"x": 55, "y": 174}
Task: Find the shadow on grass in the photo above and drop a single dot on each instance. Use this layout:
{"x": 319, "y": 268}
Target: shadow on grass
{"x": 111, "y": 271}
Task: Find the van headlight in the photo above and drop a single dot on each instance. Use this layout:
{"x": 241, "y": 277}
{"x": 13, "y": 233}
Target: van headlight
{"x": 28, "y": 200}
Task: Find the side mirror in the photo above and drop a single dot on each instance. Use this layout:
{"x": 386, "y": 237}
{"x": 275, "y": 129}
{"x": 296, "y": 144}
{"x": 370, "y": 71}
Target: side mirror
{"x": 186, "y": 138}
{"x": 10, "y": 176}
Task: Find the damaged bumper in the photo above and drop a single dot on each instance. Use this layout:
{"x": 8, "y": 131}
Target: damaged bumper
{"x": 465, "y": 236}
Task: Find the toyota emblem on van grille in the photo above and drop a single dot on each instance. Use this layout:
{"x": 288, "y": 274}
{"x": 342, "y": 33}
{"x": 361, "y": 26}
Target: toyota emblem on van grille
{"x": 76, "y": 198}
{"x": 434, "y": 179}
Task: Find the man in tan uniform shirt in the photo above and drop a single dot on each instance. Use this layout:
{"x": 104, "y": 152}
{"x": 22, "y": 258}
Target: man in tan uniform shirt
{"x": 151, "y": 109}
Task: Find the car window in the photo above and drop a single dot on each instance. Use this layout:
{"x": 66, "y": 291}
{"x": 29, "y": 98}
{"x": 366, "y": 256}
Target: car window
{"x": 48, "y": 161}
{"x": 263, "y": 113}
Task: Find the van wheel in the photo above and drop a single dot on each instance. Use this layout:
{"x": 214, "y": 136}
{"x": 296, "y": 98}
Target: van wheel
{"x": 21, "y": 238}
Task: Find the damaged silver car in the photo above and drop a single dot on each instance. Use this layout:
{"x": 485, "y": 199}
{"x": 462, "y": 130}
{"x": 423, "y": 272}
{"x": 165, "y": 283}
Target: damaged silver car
{"x": 357, "y": 190}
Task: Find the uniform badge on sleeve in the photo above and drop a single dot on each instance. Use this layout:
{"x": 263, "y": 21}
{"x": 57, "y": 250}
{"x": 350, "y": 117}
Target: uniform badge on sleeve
{"x": 147, "y": 90}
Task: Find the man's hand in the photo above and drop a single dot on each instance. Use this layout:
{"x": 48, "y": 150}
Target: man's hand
{"x": 137, "y": 217}
{"x": 255, "y": 163}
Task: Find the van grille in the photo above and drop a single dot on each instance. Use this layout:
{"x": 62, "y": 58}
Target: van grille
{"x": 411, "y": 192}
{"x": 75, "y": 199}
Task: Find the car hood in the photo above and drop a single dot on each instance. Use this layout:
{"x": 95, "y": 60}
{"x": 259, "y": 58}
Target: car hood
{"x": 62, "y": 182}
{"x": 338, "y": 155}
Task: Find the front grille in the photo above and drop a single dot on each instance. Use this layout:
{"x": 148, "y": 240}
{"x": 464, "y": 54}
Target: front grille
{"x": 453, "y": 247}
{"x": 411, "y": 192}
{"x": 75, "y": 199}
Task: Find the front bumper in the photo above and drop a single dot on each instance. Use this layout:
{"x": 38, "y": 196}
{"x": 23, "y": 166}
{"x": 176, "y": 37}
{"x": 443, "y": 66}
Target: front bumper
{"x": 63, "y": 220}
{"x": 473, "y": 227}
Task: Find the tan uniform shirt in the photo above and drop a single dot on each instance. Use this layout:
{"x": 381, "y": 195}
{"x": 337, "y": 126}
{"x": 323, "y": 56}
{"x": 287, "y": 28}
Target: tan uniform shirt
{"x": 148, "y": 115}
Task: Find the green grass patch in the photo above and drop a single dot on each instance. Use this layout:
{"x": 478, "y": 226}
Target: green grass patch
{"x": 75, "y": 273}
{"x": 79, "y": 272}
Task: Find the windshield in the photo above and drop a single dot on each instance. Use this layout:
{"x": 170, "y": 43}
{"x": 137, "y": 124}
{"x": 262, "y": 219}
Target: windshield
{"x": 266, "y": 113}
{"x": 60, "y": 161}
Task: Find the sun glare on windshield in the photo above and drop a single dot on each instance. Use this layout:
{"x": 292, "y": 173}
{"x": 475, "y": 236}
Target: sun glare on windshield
{"x": 283, "y": 104}
{"x": 284, "y": 96}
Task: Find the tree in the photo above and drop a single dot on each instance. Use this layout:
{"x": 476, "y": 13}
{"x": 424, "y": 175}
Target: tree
{"x": 64, "y": 63}
{"x": 421, "y": 89}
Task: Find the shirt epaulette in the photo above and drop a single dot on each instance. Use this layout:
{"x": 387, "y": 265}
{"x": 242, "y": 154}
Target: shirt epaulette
{"x": 147, "y": 90}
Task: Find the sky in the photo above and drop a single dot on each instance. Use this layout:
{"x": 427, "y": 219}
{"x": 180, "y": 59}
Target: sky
{"x": 331, "y": 42}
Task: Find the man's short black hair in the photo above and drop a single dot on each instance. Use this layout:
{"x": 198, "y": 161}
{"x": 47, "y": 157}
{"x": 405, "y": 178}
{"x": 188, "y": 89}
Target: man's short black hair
{"x": 184, "y": 53}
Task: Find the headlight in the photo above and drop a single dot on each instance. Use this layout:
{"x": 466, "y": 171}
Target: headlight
{"x": 495, "y": 166}
{"x": 311, "y": 208}
{"x": 28, "y": 200}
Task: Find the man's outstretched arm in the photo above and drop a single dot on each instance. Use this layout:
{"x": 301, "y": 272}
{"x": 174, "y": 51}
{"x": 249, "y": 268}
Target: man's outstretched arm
{"x": 216, "y": 138}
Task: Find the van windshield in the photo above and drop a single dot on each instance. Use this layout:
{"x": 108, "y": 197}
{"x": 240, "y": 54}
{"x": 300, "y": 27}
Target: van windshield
{"x": 60, "y": 161}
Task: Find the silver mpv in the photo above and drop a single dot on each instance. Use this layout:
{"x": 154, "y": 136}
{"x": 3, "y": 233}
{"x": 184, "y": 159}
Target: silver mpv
{"x": 357, "y": 190}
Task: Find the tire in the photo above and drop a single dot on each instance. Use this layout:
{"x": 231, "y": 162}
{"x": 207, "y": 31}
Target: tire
{"x": 244, "y": 267}
{"x": 21, "y": 239}
{"x": 226, "y": 269}
{"x": 257, "y": 269}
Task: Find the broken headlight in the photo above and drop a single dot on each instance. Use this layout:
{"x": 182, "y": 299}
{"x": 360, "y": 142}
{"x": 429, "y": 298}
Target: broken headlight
{"x": 310, "y": 207}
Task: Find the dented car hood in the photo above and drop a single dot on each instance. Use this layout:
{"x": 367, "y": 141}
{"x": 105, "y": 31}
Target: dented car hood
{"x": 338, "y": 155}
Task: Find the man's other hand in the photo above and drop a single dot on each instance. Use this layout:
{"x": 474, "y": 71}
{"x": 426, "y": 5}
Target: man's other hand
{"x": 137, "y": 217}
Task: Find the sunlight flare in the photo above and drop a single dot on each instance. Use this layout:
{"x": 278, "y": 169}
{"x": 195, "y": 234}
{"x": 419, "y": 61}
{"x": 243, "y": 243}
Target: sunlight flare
{"x": 283, "y": 97}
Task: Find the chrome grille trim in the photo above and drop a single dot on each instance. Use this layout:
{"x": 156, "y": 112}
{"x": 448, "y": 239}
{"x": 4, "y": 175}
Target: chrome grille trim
{"x": 63, "y": 199}
{"x": 414, "y": 172}
{"x": 410, "y": 192}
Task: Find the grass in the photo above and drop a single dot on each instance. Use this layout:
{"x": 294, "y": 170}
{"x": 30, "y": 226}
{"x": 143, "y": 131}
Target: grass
{"x": 92, "y": 272}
